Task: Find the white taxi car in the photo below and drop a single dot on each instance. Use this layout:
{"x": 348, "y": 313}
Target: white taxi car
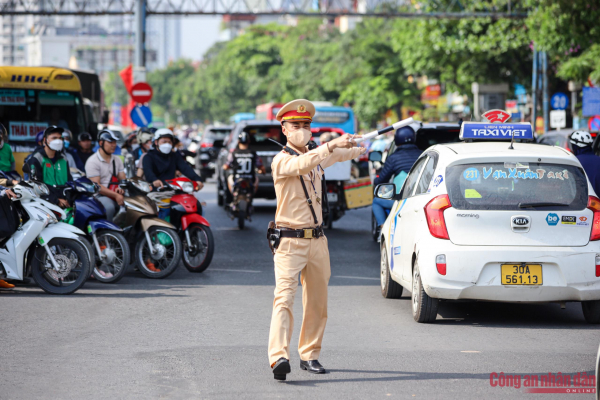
{"x": 486, "y": 220}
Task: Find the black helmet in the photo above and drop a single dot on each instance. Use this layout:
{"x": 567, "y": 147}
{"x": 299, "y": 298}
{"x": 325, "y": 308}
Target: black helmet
{"x": 53, "y": 129}
{"x": 244, "y": 138}
{"x": 107, "y": 135}
{"x": 84, "y": 136}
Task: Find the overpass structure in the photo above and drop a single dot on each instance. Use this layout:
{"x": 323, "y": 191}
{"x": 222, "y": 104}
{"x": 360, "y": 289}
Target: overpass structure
{"x": 449, "y": 9}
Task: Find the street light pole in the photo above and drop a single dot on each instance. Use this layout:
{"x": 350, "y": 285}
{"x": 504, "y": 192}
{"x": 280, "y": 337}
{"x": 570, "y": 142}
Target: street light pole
{"x": 139, "y": 72}
{"x": 546, "y": 92}
{"x": 534, "y": 88}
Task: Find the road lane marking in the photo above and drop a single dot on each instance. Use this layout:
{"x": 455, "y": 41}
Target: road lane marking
{"x": 355, "y": 277}
{"x": 470, "y": 351}
{"x": 234, "y": 270}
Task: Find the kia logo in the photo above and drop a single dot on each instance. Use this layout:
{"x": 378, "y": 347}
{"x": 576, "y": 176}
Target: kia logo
{"x": 583, "y": 219}
{"x": 520, "y": 221}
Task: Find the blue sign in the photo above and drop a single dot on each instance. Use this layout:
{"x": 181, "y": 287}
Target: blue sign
{"x": 591, "y": 101}
{"x": 489, "y": 131}
{"x": 141, "y": 115}
{"x": 559, "y": 101}
{"x": 515, "y": 116}
{"x": 552, "y": 219}
{"x": 471, "y": 174}
{"x": 594, "y": 124}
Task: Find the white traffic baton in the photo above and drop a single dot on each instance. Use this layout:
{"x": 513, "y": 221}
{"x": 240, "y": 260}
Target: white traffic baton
{"x": 393, "y": 127}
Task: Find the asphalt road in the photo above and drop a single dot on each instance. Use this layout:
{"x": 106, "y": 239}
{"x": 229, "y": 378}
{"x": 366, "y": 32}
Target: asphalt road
{"x": 205, "y": 335}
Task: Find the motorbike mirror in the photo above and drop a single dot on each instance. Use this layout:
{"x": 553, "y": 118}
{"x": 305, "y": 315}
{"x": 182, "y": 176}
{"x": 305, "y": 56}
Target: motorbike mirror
{"x": 375, "y": 156}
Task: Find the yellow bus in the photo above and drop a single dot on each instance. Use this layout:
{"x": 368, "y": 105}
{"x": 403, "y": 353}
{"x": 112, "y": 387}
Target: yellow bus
{"x": 31, "y": 98}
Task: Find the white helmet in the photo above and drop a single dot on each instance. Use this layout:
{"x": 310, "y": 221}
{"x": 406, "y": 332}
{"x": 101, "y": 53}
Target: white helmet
{"x": 163, "y": 132}
{"x": 581, "y": 138}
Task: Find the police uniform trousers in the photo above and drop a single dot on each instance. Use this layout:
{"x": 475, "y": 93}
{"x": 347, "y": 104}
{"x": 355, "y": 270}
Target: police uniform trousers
{"x": 311, "y": 258}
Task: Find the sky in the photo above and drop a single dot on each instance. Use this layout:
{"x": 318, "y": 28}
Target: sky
{"x": 198, "y": 34}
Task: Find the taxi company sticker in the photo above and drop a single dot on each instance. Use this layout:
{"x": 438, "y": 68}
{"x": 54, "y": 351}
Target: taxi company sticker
{"x": 568, "y": 220}
{"x": 397, "y": 250}
{"x": 471, "y": 174}
{"x": 472, "y": 194}
{"x": 514, "y": 173}
{"x": 583, "y": 221}
{"x": 552, "y": 219}
{"x": 439, "y": 179}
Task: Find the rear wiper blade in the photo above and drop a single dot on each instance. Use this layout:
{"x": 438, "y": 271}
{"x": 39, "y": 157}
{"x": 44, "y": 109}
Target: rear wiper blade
{"x": 527, "y": 205}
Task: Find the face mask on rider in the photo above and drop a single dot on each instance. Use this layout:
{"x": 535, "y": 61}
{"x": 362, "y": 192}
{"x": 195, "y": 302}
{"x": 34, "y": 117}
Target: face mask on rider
{"x": 298, "y": 137}
{"x": 134, "y": 147}
{"x": 165, "y": 148}
{"x": 56, "y": 145}
{"x": 67, "y": 143}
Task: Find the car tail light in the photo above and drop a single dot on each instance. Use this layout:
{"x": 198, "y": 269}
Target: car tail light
{"x": 440, "y": 264}
{"x": 244, "y": 184}
{"x": 331, "y": 188}
{"x": 434, "y": 212}
{"x": 594, "y": 205}
{"x": 205, "y": 145}
{"x": 597, "y": 265}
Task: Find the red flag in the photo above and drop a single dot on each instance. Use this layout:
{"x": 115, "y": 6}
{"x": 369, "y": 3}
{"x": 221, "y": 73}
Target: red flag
{"x": 126, "y": 114}
{"x": 126, "y": 75}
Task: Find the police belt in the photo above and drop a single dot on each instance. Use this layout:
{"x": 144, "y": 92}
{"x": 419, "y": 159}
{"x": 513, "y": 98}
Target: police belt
{"x": 308, "y": 233}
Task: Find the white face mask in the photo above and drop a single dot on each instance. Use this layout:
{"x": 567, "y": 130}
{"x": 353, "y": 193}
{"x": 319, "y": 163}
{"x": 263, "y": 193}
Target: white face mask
{"x": 56, "y": 144}
{"x": 165, "y": 148}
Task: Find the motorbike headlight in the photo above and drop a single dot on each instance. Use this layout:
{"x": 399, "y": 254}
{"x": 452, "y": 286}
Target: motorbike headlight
{"x": 174, "y": 187}
{"x": 41, "y": 189}
{"x": 142, "y": 185}
{"x": 187, "y": 187}
{"x": 52, "y": 218}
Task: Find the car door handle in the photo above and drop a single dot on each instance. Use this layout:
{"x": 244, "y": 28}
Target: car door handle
{"x": 415, "y": 210}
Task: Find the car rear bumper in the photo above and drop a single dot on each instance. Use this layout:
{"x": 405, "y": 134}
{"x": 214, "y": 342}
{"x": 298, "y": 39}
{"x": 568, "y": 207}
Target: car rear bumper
{"x": 474, "y": 272}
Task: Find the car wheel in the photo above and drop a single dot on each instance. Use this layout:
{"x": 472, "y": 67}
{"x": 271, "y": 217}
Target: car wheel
{"x": 591, "y": 311}
{"x": 374, "y": 227}
{"x": 390, "y": 289}
{"x": 424, "y": 308}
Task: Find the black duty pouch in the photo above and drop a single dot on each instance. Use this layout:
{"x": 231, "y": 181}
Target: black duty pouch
{"x": 273, "y": 236}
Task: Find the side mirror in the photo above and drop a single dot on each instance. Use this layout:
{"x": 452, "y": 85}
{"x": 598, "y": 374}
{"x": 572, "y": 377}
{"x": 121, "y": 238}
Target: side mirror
{"x": 375, "y": 156}
{"x": 385, "y": 191}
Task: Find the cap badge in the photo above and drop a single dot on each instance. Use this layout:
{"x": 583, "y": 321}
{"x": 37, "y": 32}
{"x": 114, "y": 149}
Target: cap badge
{"x": 301, "y": 108}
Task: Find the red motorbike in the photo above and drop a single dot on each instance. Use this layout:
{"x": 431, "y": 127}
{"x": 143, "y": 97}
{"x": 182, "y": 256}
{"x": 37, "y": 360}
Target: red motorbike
{"x": 193, "y": 228}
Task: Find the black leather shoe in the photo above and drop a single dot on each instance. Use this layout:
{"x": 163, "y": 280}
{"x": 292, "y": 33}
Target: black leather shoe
{"x": 312, "y": 366}
{"x": 281, "y": 369}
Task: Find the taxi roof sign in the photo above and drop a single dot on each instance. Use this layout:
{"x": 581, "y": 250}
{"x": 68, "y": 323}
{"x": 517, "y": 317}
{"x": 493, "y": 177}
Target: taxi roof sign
{"x": 470, "y": 131}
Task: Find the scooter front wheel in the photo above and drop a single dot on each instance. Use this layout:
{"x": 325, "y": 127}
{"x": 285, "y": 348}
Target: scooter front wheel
{"x": 163, "y": 259}
{"x": 198, "y": 257}
{"x": 114, "y": 258}
{"x": 73, "y": 266}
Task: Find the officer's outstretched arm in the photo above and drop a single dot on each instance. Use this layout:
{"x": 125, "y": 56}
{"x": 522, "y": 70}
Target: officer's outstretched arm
{"x": 288, "y": 165}
{"x": 338, "y": 155}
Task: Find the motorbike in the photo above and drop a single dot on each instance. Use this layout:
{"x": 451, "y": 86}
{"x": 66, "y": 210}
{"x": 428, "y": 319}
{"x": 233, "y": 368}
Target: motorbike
{"x": 157, "y": 245}
{"x": 186, "y": 216}
{"x": 55, "y": 253}
{"x": 241, "y": 206}
{"x": 109, "y": 244}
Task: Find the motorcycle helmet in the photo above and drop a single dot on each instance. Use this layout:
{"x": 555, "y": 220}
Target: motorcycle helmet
{"x": 581, "y": 139}
{"x": 67, "y": 135}
{"x": 404, "y": 135}
{"x": 83, "y": 136}
{"x": 39, "y": 137}
{"x": 53, "y": 129}
{"x": 106, "y": 135}
{"x": 163, "y": 132}
{"x": 244, "y": 138}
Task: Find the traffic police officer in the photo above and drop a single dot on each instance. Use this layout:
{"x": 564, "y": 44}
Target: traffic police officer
{"x": 303, "y": 245}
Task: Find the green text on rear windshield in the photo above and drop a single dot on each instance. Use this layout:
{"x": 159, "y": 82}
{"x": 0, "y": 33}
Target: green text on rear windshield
{"x": 516, "y": 186}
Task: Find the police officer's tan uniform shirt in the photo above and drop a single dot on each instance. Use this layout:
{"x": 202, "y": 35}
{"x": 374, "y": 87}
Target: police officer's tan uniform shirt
{"x": 292, "y": 208}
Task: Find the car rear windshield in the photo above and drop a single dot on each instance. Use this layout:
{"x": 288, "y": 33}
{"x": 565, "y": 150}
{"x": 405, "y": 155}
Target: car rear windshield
{"x": 428, "y": 137}
{"x": 259, "y": 136}
{"x": 516, "y": 186}
{"x": 218, "y": 134}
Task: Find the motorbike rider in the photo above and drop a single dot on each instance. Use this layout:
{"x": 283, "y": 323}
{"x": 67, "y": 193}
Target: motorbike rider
{"x": 7, "y": 160}
{"x": 70, "y": 153}
{"x": 581, "y": 142}
{"x": 400, "y": 161}
{"x": 144, "y": 139}
{"x": 84, "y": 151}
{"x": 4, "y": 191}
{"x": 49, "y": 165}
{"x": 105, "y": 168}
{"x": 161, "y": 163}
{"x": 243, "y": 163}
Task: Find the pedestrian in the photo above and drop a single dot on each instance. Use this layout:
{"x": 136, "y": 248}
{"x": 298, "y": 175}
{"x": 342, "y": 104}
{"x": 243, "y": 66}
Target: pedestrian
{"x": 300, "y": 244}
{"x": 105, "y": 168}
{"x": 581, "y": 142}
{"x": 398, "y": 165}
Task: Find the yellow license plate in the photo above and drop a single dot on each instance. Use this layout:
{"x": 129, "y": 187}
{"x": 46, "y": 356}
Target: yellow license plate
{"x": 521, "y": 274}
